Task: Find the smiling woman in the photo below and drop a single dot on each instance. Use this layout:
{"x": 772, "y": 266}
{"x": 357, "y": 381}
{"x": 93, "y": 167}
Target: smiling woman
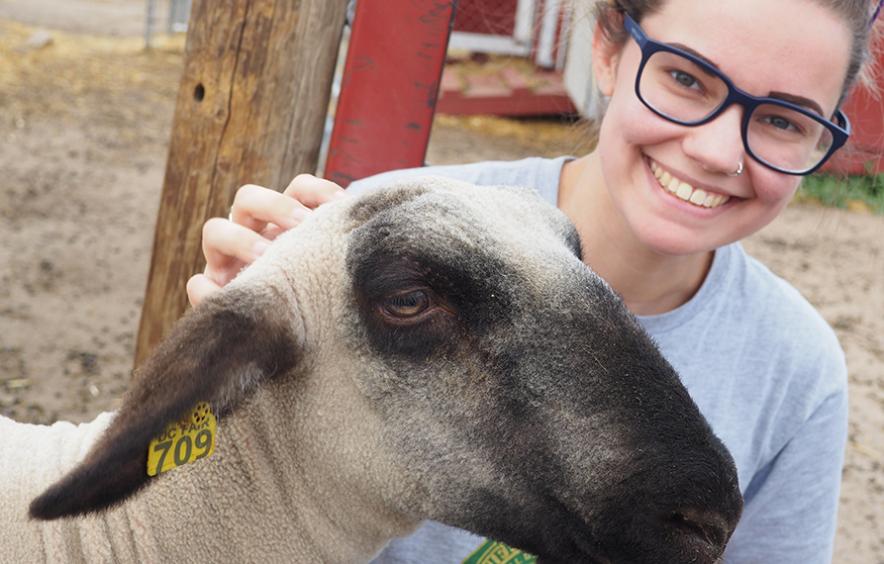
{"x": 715, "y": 112}
{"x": 705, "y": 154}
{"x": 785, "y": 132}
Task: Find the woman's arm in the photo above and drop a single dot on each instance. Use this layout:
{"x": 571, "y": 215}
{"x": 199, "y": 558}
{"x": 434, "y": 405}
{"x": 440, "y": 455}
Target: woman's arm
{"x": 791, "y": 504}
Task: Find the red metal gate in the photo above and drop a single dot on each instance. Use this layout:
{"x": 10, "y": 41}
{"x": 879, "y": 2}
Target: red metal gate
{"x": 389, "y": 88}
{"x": 864, "y": 153}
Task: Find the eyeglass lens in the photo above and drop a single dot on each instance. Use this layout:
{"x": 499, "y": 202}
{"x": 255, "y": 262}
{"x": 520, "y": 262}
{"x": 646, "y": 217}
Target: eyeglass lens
{"x": 684, "y": 91}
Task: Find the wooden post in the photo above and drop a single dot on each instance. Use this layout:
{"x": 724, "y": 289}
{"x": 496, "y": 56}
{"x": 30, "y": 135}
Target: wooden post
{"x": 251, "y": 109}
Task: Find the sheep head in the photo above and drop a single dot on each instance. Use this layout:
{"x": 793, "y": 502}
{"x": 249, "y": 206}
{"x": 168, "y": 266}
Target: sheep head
{"x": 494, "y": 382}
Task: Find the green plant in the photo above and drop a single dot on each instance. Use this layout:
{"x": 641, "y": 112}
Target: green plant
{"x": 840, "y": 190}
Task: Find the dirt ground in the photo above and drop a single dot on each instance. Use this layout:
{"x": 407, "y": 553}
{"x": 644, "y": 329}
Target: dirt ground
{"x": 84, "y": 127}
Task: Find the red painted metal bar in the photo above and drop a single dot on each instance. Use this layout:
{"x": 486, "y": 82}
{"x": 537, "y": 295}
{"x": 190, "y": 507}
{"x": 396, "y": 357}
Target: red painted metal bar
{"x": 389, "y": 87}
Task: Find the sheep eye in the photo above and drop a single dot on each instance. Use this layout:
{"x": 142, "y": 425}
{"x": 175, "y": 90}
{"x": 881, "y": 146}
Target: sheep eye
{"x": 407, "y": 304}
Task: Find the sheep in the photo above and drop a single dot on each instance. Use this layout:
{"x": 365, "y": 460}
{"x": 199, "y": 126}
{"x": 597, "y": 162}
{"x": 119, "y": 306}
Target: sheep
{"x": 431, "y": 350}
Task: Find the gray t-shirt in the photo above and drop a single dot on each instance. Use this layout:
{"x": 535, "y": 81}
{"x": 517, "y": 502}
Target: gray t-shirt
{"x": 764, "y": 368}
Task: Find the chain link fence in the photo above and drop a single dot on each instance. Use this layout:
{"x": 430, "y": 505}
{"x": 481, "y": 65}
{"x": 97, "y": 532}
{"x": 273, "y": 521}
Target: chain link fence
{"x": 488, "y": 17}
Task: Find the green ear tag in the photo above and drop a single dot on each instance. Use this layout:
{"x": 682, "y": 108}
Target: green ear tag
{"x": 184, "y": 441}
{"x": 493, "y": 552}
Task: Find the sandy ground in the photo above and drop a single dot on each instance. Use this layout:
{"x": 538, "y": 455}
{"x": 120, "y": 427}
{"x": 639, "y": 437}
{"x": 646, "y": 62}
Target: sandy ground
{"x": 125, "y": 18}
{"x": 84, "y": 125}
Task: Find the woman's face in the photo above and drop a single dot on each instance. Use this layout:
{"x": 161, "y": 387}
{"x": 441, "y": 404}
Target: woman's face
{"x": 792, "y": 47}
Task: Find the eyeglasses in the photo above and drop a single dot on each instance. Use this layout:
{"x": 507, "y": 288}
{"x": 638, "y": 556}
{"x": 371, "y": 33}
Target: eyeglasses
{"x": 684, "y": 89}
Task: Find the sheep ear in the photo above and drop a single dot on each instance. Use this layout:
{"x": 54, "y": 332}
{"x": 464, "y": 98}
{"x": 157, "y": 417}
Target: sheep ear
{"x": 217, "y": 353}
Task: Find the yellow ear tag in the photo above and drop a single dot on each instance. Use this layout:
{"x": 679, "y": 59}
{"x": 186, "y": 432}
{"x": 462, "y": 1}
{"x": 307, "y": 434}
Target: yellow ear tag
{"x": 184, "y": 441}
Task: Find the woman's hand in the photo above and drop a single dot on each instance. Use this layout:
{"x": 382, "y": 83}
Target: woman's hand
{"x": 258, "y": 216}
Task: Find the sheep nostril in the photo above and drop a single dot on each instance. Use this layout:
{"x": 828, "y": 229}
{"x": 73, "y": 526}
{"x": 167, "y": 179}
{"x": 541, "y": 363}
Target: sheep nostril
{"x": 707, "y": 525}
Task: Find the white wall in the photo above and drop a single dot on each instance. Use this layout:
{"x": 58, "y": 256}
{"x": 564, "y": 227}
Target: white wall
{"x": 578, "y": 66}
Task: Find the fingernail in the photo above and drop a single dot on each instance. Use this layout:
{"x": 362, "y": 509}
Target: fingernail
{"x": 300, "y": 213}
{"x": 260, "y": 248}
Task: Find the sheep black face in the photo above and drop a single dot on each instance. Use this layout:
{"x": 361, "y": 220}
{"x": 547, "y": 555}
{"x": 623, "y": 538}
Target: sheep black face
{"x": 531, "y": 402}
{"x": 439, "y": 351}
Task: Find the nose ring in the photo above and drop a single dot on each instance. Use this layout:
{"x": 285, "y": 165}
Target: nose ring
{"x": 739, "y": 170}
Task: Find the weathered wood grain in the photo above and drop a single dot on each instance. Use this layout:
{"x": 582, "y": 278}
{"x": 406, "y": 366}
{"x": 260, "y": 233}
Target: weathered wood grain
{"x": 251, "y": 107}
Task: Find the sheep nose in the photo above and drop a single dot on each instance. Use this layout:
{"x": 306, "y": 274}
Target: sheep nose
{"x": 709, "y": 528}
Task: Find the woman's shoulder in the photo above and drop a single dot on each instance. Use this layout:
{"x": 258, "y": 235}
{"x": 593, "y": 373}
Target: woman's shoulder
{"x": 541, "y": 174}
{"x": 743, "y": 301}
{"x": 779, "y": 307}
{"x": 779, "y": 329}
{"x": 759, "y": 335}
{"x": 756, "y": 356}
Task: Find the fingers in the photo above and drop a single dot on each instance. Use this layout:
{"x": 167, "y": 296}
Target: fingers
{"x": 312, "y": 191}
{"x": 258, "y": 215}
{"x": 272, "y": 231}
{"x": 228, "y": 247}
{"x": 254, "y": 207}
{"x": 199, "y": 287}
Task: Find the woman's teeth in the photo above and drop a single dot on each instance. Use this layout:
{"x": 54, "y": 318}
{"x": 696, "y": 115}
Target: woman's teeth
{"x": 685, "y": 191}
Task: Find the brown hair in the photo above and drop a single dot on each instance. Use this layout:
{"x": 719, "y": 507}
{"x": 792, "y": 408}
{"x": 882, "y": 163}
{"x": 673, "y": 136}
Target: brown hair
{"x": 856, "y": 13}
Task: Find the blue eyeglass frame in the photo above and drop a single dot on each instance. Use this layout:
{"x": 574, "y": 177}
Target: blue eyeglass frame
{"x": 840, "y": 130}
